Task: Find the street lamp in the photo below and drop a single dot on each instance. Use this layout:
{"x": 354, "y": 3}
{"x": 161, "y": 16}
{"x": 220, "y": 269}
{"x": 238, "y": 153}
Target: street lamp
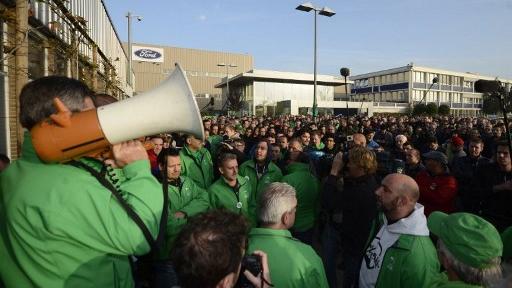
{"x": 129, "y": 15}
{"x": 227, "y": 78}
{"x": 325, "y": 11}
{"x": 434, "y": 81}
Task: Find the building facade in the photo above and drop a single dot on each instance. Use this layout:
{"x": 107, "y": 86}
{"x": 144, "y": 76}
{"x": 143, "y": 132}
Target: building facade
{"x": 266, "y": 92}
{"x": 397, "y": 90}
{"x": 73, "y": 38}
{"x": 153, "y": 63}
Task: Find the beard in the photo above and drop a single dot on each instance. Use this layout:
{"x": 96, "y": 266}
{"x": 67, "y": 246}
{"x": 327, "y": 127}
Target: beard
{"x": 387, "y": 207}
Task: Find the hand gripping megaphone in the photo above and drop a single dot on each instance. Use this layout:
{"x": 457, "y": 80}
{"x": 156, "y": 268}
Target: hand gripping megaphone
{"x": 171, "y": 106}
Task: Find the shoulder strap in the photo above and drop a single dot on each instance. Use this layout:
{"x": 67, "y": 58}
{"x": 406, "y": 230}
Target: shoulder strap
{"x": 149, "y": 238}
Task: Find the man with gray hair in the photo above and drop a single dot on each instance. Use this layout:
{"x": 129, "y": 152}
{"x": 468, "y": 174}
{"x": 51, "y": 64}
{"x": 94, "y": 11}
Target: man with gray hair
{"x": 398, "y": 151}
{"x": 469, "y": 248}
{"x": 293, "y": 263}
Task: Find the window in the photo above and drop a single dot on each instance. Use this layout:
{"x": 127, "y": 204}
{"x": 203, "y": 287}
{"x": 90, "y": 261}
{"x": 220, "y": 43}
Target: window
{"x": 457, "y": 97}
{"x": 401, "y": 77}
{"x": 419, "y": 77}
{"x": 61, "y": 63}
{"x": 35, "y": 57}
{"x": 457, "y": 81}
{"x": 444, "y": 79}
{"x": 430, "y": 77}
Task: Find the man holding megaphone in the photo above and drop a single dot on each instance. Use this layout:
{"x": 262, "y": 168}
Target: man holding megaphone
{"x": 59, "y": 226}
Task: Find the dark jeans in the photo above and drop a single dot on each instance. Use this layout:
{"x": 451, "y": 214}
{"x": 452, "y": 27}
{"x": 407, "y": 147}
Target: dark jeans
{"x": 352, "y": 267}
{"x": 330, "y": 247}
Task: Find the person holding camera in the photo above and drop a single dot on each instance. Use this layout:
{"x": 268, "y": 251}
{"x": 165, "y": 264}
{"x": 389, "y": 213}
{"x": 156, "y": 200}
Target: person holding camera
{"x": 209, "y": 252}
{"x": 293, "y": 263}
{"x": 60, "y": 227}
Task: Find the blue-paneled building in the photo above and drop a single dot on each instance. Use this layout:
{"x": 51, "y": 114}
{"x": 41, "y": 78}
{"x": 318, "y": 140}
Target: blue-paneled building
{"x": 398, "y": 89}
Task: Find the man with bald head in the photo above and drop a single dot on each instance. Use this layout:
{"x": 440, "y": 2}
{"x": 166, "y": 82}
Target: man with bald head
{"x": 358, "y": 140}
{"x": 399, "y": 252}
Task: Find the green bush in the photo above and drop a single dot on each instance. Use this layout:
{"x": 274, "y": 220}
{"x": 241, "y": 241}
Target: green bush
{"x": 419, "y": 109}
{"x": 431, "y": 109}
{"x": 444, "y": 110}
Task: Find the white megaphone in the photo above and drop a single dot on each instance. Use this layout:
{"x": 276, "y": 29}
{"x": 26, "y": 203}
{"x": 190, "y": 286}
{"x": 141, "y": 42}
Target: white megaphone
{"x": 171, "y": 106}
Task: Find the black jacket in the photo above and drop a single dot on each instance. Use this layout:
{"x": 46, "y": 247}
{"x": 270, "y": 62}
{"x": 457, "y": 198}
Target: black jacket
{"x": 493, "y": 206}
{"x": 359, "y": 207}
{"x": 464, "y": 169}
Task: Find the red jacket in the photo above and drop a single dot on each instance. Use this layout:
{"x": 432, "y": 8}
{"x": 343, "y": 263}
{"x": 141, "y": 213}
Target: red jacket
{"x": 152, "y": 159}
{"x": 437, "y": 193}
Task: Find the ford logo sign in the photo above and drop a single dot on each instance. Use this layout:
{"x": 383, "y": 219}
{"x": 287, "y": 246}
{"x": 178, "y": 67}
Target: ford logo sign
{"x": 147, "y": 54}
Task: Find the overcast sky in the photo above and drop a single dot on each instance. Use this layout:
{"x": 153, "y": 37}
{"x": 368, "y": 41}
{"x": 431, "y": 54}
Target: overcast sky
{"x": 364, "y": 35}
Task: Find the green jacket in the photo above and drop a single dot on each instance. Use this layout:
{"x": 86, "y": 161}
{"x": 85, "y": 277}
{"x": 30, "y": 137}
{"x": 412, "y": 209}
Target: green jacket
{"x": 443, "y": 282}
{"x": 197, "y": 166}
{"x": 272, "y": 174}
{"x": 308, "y": 190}
{"x": 215, "y": 141}
{"x": 59, "y": 227}
{"x": 114, "y": 175}
{"x": 224, "y": 196}
{"x": 187, "y": 198}
{"x": 291, "y": 262}
{"x": 410, "y": 262}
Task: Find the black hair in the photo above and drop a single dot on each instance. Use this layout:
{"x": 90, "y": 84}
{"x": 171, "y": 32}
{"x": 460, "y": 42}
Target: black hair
{"x": 36, "y": 98}
{"x": 209, "y": 247}
{"x": 162, "y": 156}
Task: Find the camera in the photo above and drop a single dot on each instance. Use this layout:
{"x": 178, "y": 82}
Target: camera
{"x": 251, "y": 263}
{"x": 350, "y": 138}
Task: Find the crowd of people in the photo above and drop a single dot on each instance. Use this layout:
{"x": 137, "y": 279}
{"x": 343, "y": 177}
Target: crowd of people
{"x": 284, "y": 201}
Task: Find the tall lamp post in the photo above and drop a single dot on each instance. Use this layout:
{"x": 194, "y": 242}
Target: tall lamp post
{"x": 325, "y": 11}
{"x": 434, "y": 81}
{"x": 129, "y": 16}
{"x": 227, "y": 79}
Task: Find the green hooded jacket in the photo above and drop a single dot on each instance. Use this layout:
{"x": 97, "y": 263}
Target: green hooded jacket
{"x": 308, "y": 191}
{"x": 291, "y": 262}
{"x": 258, "y": 184}
{"x": 60, "y": 227}
{"x": 411, "y": 261}
{"x": 443, "y": 282}
{"x": 223, "y": 196}
{"x": 187, "y": 198}
{"x": 197, "y": 166}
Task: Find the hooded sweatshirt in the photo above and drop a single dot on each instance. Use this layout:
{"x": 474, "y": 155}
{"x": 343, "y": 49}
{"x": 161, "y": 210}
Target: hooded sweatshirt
{"x": 400, "y": 254}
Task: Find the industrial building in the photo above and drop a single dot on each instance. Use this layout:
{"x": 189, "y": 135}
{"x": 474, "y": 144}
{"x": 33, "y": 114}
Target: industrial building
{"x": 153, "y": 63}
{"x": 266, "y": 92}
{"x": 397, "y": 90}
{"x": 73, "y": 38}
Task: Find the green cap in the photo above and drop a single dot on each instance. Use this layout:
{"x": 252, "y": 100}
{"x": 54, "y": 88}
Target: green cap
{"x": 470, "y": 239}
{"x": 506, "y": 237}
